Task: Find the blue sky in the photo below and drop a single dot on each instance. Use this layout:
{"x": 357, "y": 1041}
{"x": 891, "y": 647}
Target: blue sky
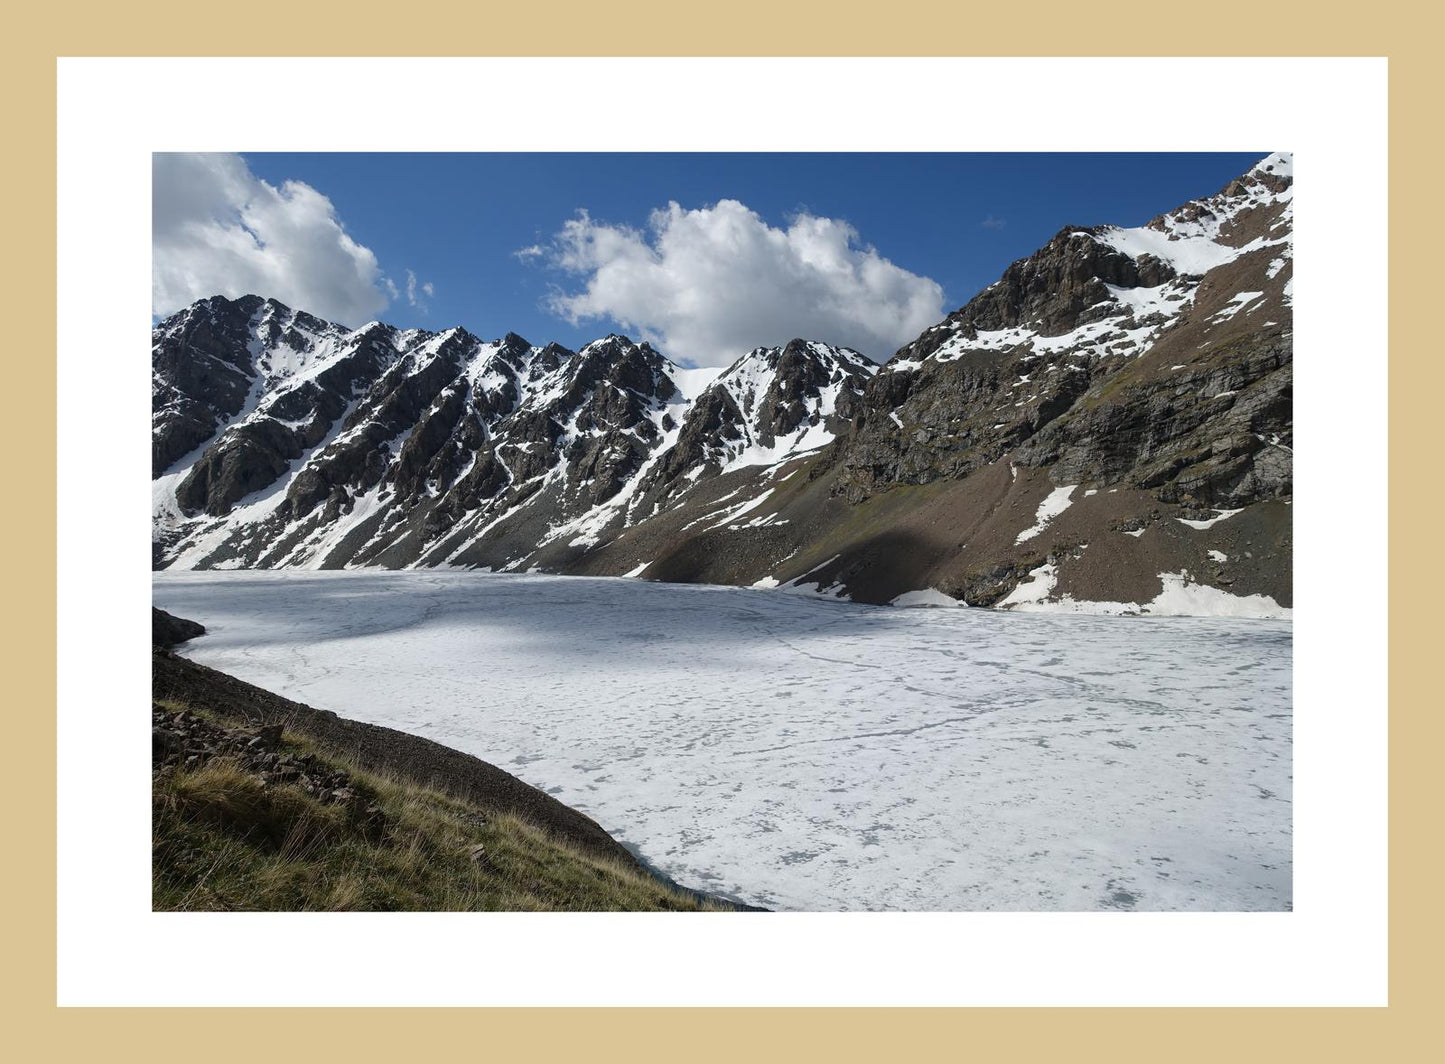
{"x": 700, "y": 284}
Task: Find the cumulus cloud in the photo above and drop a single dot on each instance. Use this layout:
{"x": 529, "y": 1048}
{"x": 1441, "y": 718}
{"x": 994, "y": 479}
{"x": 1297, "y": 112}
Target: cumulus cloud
{"x": 219, "y": 229}
{"x": 708, "y": 285}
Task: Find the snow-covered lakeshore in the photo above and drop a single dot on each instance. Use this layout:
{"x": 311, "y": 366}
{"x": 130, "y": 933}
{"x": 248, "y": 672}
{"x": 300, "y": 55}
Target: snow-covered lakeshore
{"x": 805, "y": 754}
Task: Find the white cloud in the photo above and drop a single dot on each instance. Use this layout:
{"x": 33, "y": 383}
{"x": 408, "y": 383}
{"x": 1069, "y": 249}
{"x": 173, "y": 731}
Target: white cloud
{"x": 412, "y": 288}
{"x": 219, "y": 229}
{"x": 707, "y": 285}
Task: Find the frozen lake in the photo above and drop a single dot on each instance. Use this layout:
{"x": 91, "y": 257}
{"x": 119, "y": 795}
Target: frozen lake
{"x": 806, "y": 754}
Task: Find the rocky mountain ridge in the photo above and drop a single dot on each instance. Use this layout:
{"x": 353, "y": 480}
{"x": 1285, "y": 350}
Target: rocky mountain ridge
{"x": 1107, "y": 427}
{"x": 385, "y": 446}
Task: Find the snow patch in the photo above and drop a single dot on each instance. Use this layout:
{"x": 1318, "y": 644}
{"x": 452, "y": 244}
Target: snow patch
{"x": 1183, "y": 598}
{"x": 1180, "y": 597}
{"x": 1237, "y": 302}
{"x": 927, "y": 597}
{"x": 1220, "y": 515}
{"x": 1036, "y": 589}
{"x": 1055, "y": 503}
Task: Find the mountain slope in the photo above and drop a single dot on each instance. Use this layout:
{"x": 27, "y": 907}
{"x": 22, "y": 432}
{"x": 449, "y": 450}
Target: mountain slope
{"x": 1107, "y": 427}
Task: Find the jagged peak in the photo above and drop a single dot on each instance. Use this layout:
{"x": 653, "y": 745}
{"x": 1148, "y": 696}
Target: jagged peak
{"x": 798, "y": 366}
{"x": 255, "y": 313}
{"x": 460, "y": 334}
{"x": 1184, "y": 243}
{"x": 825, "y": 351}
{"x": 251, "y": 303}
{"x": 215, "y": 306}
{"x": 813, "y": 350}
{"x": 610, "y": 341}
{"x": 374, "y": 329}
{"x": 1267, "y": 182}
{"x": 1278, "y": 164}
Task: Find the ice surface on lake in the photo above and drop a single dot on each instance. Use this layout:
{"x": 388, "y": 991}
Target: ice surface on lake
{"x": 800, "y": 753}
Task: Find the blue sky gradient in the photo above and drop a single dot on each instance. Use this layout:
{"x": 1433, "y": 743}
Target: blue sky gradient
{"x": 457, "y": 220}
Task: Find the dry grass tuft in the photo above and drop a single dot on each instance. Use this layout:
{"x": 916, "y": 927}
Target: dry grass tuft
{"x": 223, "y": 840}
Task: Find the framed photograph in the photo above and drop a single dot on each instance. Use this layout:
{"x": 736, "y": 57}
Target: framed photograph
{"x": 852, "y": 518}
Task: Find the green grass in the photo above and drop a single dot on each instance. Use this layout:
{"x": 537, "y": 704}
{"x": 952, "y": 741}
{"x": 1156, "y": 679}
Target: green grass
{"x": 222, "y": 841}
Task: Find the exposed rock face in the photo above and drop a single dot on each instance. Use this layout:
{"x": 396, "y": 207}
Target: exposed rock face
{"x": 1109, "y": 366}
{"x": 390, "y": 447}
{"x": 770, "y": 403}
{"x": 211, "y": 362}
{"x": 1149, "y": 368}
{"x": 1060, "y": 287}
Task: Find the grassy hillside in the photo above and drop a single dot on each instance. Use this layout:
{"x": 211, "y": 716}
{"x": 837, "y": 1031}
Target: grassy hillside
{"x": 311, "y": 812}
{"x": 224, "y": 839}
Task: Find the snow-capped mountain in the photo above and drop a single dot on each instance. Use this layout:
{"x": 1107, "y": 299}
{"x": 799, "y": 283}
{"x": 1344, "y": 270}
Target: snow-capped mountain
{"x": 1107, "y": 426}
{"x": 321, "y": 446}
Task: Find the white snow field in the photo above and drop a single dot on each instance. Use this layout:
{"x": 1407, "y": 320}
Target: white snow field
{"x": 806, "y": 754}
